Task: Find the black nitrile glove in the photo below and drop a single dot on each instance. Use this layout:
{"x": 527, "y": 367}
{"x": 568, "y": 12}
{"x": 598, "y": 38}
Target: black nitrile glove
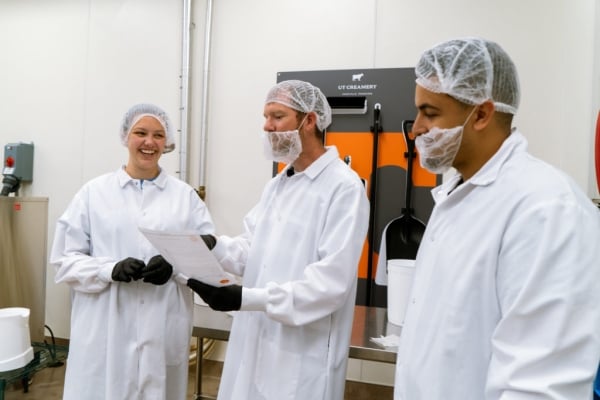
{"x": 225, "y": 298}
{"x": 209, "y": 240}
{"x": 128, "y": 269}
{"x": 158, "y": 271}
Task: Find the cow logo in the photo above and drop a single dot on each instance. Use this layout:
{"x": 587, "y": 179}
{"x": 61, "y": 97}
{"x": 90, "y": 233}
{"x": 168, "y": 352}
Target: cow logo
{"x": 363, "y": 88}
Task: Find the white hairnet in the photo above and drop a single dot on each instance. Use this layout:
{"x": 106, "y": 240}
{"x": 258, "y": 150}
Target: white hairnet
{"x": 472, "y": 70}
{"x": 303, "y": 97}
{"x": 135, "y": 113}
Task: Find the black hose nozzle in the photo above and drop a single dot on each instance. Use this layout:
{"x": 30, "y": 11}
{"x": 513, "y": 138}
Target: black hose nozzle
{"x": 10, "y": 184}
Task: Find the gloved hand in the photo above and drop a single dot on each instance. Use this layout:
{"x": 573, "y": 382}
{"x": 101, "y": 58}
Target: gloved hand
{"x": 225, "y": 298}
{"x": 209, "y": 240}
{"x": 128, "y": 269}
{"x": 158, "y": 271}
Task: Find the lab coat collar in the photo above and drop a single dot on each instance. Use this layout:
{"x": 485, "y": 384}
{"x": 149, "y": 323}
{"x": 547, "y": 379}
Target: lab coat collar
{"x": 314, "y": 169}
{"x": 320, "y": 163}
{"x": 491, "y": 169}
{"x": 123, "y": 177}
{"x": 487, "y": 174}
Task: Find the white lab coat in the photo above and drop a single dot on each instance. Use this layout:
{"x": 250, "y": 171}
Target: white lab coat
{"x": 299, "y": 261}
{"x": 505, "y": 300}
{"x": 128, "y": 340}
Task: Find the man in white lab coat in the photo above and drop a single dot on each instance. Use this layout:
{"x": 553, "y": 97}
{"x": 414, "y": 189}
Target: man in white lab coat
{"x": 131, "y": 320}
{"x": 505, "y": 299}
{"x": 298, "y": 258}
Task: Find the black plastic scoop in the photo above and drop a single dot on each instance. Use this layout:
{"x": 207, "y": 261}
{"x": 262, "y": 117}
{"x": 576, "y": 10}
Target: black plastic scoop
{"x": 404, "y": 234}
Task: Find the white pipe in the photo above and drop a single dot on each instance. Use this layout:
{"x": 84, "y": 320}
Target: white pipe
{"x": 185, "y": 83}
{"x": 205, "y": 79}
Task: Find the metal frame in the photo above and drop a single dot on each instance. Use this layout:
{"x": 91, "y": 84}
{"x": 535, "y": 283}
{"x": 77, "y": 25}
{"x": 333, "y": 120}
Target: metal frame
{"x": 368, "y": 322}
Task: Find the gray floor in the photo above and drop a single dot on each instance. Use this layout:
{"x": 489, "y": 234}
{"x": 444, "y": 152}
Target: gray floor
{"x": 47, "y": 385}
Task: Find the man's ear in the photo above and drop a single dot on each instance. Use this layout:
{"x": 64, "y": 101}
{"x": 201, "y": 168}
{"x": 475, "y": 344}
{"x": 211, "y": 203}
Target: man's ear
{"x": 483, "y": 115}
{"x": 311, "y": 119}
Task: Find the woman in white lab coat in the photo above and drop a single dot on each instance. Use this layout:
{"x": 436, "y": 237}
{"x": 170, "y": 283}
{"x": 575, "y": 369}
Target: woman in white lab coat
{"x": 299, "y": 260}
{"x": 131, "y": 320}
{"x": 504, "y": 303}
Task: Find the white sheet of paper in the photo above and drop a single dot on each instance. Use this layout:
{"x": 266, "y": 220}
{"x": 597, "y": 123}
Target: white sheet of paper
{"x": 188, "y": 254}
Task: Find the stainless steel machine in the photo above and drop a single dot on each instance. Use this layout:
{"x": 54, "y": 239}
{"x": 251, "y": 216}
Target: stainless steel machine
{"x": 23, "y": 258}
{"x": 23, "y": 235}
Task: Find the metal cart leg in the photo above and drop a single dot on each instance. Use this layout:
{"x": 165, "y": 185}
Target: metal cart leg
{"x": 199, "y": 351}
{"x": 199, "y": 358}
{"x": 25, "y": 383}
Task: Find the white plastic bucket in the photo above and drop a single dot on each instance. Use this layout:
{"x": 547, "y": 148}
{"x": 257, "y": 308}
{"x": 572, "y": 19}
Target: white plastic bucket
{"x": 15, "y": 342}
{"x": 400, "y": 275}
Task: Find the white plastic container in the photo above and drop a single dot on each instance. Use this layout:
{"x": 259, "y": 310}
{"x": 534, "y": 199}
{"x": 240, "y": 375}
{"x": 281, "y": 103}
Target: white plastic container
{"x": 400, "y": 276}
{"x": 15, "y": 340}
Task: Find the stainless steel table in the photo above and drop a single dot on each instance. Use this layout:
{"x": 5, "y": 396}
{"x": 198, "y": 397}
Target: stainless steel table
{"x": 368, "y": 322}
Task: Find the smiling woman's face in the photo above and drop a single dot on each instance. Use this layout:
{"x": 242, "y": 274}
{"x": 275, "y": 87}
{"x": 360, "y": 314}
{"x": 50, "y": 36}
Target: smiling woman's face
{"x": 146, "y": 143}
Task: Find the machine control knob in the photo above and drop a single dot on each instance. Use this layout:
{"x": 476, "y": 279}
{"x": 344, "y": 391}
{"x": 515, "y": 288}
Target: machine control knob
{"x": 10, "y": 162}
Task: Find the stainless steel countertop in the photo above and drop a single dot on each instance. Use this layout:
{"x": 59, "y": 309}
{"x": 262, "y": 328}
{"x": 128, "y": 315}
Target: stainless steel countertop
{"x": 372, "y": 322}
{"x": 368, "y": 322}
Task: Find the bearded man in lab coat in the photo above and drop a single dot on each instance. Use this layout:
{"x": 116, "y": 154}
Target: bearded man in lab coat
{"x": 298, "y": 258}
{"x": 131, "y": 318}
{"x": 504, "y": 303}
